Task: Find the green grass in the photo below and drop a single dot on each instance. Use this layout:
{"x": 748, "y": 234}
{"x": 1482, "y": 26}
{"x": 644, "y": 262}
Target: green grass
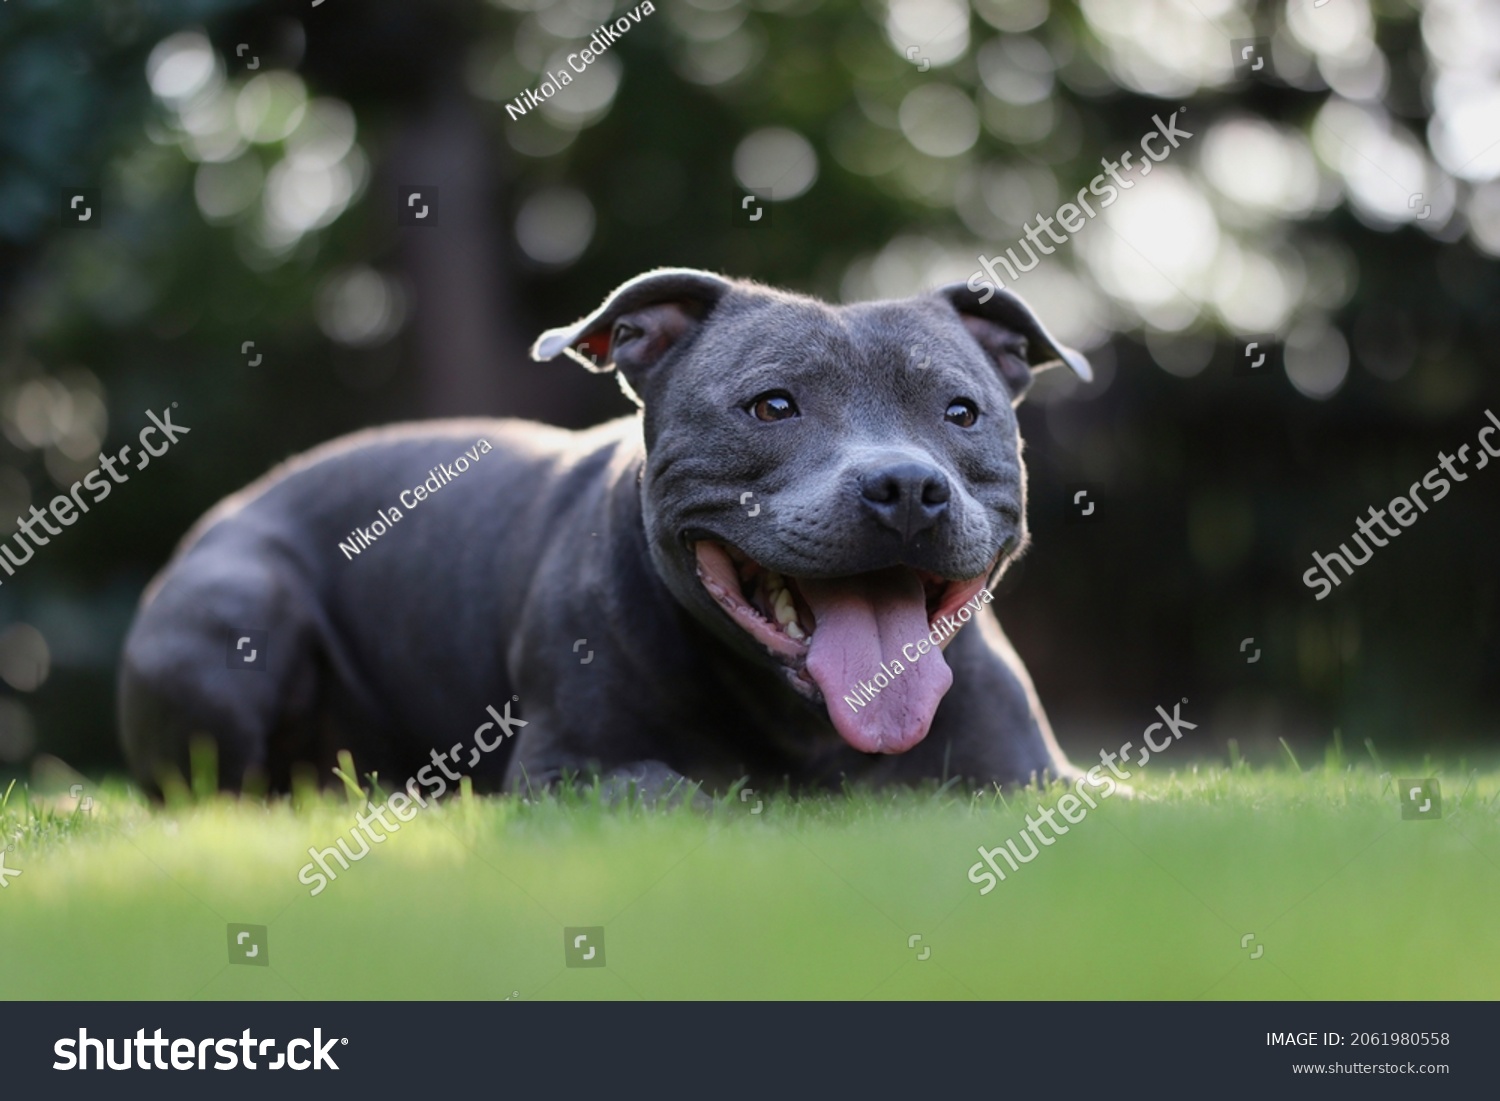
{"x": 1145, "y": 898}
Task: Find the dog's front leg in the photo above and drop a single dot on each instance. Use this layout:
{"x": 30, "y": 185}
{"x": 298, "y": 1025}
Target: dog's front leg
{"x": 543, "y": 763}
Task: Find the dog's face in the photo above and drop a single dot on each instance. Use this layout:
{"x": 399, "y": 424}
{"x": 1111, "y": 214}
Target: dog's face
{"x": 826, "y": 486}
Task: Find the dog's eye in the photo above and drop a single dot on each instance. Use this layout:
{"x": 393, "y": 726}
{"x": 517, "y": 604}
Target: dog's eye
{"x": 963, "y": 413}
{"x": 775, "y": 405}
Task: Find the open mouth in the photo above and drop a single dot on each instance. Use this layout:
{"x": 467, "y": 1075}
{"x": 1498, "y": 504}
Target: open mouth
{"x": 870, "y": 644}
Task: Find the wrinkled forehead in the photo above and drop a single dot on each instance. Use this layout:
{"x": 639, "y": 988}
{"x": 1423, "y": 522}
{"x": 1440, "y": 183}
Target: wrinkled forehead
{"x": 773, "y": 329}
{"x": 764, "y": 329}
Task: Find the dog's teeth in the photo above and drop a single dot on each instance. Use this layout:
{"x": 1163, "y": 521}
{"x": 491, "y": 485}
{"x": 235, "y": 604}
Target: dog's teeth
{"x": 795, "y": 632}
{"x": 772, "y": 587}
{"x": 786, "y": 612}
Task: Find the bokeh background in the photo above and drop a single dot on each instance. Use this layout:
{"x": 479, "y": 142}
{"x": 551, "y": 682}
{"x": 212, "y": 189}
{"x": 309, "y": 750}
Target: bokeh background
{"x": 1339, "y": 205}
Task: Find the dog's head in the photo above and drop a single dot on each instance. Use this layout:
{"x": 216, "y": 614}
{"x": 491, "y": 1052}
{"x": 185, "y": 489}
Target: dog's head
{"x": 826, "y": 486}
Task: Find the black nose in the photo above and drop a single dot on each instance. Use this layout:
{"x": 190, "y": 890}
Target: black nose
{"x": 906, "y": 497}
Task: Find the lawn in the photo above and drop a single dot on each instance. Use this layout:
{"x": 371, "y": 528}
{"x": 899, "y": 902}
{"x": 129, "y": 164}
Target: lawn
{"x": 1148, "y": 897}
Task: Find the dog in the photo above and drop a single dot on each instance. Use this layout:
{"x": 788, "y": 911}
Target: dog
{"x": 777, "y": 572}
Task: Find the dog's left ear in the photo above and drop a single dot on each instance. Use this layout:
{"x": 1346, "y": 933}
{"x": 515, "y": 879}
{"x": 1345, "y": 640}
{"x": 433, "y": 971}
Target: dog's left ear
{"x": 639, "y": 323}
{"x": 995, "y": 319}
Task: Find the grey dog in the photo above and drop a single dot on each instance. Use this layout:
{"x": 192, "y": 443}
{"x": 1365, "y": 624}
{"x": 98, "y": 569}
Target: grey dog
{"x": 770, "y": 573}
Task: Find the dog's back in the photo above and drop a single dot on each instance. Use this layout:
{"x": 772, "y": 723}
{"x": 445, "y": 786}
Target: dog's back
{"x": 301, "y": 615}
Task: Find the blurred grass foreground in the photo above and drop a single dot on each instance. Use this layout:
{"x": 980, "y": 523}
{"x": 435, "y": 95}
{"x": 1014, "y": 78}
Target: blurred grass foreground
{"x": 1167, "y": 896}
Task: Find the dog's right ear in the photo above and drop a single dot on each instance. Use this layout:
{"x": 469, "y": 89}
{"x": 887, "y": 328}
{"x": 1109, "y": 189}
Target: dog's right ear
{"x": 638, "y": 323}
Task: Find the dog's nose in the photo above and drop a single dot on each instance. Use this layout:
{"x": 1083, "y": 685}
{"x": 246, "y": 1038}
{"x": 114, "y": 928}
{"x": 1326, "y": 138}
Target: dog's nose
{"x": 907, "y": 497}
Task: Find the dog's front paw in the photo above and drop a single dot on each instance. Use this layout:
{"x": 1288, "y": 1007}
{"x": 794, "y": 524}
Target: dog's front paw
{"x": 650, "y": 782}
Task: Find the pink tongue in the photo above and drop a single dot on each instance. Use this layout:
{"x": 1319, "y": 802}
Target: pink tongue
{"x": 862, "y": 623}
